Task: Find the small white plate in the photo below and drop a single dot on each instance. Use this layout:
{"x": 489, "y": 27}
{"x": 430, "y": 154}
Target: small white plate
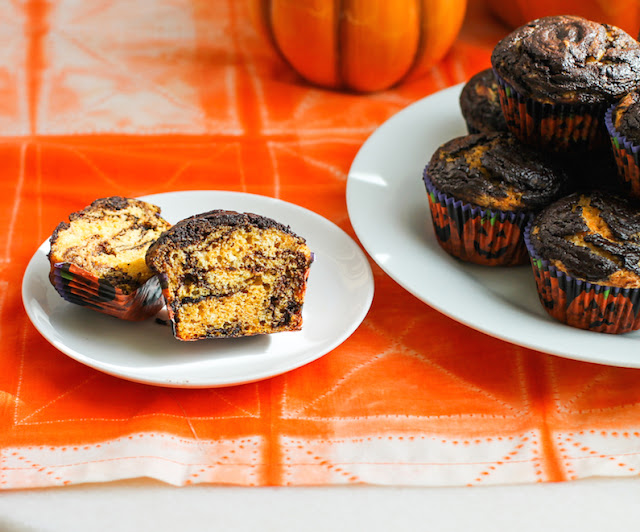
{"x": 389, "y": 211}
{"x": 339, "y": 294}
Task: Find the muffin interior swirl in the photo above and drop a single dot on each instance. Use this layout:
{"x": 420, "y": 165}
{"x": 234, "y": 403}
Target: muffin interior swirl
{"x": 109, "y": 239}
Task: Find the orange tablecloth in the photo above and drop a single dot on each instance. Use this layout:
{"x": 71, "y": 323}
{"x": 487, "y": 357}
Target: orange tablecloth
{"x": 133, "y": 98}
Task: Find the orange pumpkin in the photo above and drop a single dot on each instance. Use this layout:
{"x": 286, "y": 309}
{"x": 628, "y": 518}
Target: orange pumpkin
{"x": 361, "y": 45}
{"x": 622, "y": 13}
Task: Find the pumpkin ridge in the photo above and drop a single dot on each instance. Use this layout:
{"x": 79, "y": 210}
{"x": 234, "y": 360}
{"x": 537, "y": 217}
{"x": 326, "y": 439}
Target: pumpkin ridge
{"x": 266, "y": 14}
{"x": 382, "y": 45}
{"x": 421, "y": 41}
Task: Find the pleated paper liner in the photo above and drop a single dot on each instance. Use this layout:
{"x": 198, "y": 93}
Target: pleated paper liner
{"x": 477, "y": 235}
{"x": 626, "y": 156}
{"x": 582, "y": 304}
{"x": 80, "y": 287}
{"x": 552, "y": 127}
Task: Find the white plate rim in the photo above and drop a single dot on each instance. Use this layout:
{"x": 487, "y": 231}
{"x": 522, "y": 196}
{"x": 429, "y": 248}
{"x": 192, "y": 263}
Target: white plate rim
{"x": 408, "y": 139}
{"x": 354, "y": 258}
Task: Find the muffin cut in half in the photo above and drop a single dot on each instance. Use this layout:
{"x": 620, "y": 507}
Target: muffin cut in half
{"x": 98, "y": 257}
{"x": 230, "y": 274}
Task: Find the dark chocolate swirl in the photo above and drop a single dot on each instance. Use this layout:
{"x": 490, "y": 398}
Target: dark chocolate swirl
{"x": 592, "y": 250}
{"x": 197, "y": 227}
{"x": 496, "y": 165}
{"x": 568, "y": 59}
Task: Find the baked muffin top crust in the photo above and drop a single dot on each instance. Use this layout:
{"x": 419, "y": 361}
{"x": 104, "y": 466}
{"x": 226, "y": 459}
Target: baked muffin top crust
{"x": 595, "y": 237}
{"x": 480, "y": 103}
{"x": 199, "y": 226}
{"x": 568, "y": 59}
{"x": 496, "y": 171}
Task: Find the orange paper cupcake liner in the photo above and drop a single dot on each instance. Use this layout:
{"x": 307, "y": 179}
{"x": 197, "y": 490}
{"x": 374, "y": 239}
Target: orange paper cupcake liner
{"x": 552, "y": 127}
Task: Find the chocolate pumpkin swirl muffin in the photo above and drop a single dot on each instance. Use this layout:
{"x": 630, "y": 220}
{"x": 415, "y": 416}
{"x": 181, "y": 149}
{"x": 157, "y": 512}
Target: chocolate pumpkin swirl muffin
{"x": 98, "y": 257}
{"x": 480, "y": 104}
{"x": 623, "y": 124}
{"x": 483, "y": 190}
{"x": 558, "y": 75}
{"x": 230, "y": 274}
{"x": 585, "y": 253}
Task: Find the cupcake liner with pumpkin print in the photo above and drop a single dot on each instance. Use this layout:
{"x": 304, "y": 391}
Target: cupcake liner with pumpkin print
{"x": 626, "y": 155}
{"x": 579, "y": 303}
{"x": 555, "y": 127}
{"x": 78, "y": 286}
{"x": 474, "y": 234}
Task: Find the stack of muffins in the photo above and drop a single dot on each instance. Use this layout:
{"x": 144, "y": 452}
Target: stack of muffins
{"x": 550, "y": 170}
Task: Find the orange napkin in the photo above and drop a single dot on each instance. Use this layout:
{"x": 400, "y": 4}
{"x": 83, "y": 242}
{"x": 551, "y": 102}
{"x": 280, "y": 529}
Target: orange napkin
{"x": 134, "y": 98}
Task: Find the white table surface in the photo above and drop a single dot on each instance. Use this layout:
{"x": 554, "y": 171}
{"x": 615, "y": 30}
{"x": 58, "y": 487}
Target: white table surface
{"x": 140, "y": 505}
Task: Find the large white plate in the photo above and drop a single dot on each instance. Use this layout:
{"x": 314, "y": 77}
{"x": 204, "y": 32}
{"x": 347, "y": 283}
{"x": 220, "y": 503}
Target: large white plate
{"x": 389, "y": 211}
{"x": 339, "y": 294}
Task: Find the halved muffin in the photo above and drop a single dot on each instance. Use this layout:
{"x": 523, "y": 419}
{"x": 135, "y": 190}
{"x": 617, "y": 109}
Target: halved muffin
{"x": 230, "y": 274}
{"x": 98, "y": 257}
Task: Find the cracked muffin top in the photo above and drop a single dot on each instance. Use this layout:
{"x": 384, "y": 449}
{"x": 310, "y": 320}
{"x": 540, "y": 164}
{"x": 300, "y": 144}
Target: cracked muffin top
{"x": 568, "y": 59}
{"x": 496, "y": 171}
{"x": 595, "y": 237}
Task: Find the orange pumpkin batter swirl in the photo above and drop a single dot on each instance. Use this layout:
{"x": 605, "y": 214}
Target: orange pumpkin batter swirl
{"x": 568, "y": 59}
{"x": 108, "y": 239}
{"x": 595, "y": 237}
